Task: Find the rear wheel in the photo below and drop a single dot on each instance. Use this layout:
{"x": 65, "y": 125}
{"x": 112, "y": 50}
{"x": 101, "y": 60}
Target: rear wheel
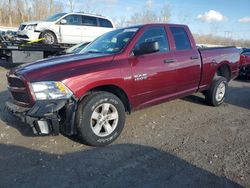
{"x": 216, "y": 94}
{"x": 100, "y": 119}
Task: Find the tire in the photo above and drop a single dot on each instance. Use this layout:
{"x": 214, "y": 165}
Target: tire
{"x": 216, "y": 94}
{"x": 248, "y": 72}
{"x": 49, "y": 37}
{"x": 94, "y": 127}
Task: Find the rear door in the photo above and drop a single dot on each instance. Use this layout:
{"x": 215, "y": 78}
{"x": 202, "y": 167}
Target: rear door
{"x": 93, "y": 27}
{"x": 71, "y": 32}
{"x": 90, "y": 29}
{"x": 186, "y": 60}
{"x": 153, "y": 76}
{"x": 105, "y": 25}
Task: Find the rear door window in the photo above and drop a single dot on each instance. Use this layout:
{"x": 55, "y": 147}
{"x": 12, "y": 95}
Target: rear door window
{"x": 89, "y": 21}
{"x": 181, "y": 39}
{"x": 105, "y": 23}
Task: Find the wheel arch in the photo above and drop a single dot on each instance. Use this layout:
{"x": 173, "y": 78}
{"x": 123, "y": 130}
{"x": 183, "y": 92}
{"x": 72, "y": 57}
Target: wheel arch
{"x": 117, "y": 91}
{"x": 224, "y": 70}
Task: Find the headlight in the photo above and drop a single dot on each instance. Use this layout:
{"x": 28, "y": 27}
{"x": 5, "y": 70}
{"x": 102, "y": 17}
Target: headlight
{"x": 31, "y": 27}
{"x": 50, "y": 90}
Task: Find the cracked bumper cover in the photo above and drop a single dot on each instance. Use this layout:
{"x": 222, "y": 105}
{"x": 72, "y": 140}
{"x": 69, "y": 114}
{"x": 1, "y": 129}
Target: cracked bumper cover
{"x": 47, "y": 117}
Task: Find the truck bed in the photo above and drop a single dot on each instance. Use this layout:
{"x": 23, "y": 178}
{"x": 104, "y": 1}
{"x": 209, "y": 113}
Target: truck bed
{"x": 215, "y": 48}
{"x": 213, "y": 57}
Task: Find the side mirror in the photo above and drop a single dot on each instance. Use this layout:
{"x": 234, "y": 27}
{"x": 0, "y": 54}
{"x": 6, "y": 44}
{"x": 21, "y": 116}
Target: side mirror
{"x": 147, "y": 48}
{"x": 63, "y": 21}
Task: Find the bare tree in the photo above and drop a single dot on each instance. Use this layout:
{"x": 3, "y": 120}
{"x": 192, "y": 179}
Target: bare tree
{"x": 212, "y": 39}
{"x": 147, "y": 15}
{"x": 13, "y": 12}
{"x": 1, "y": 12}
{"x": 10, "y": 11}
{"x": 121, "y": 22}
{"x": 71, "y": 5}
{"x": 184, "y": 17}
{"x": 214, "y": 27}
{"x": 89, "y": 7}
{"x": 20, "y": 9}
{"x": 165, "y": 14}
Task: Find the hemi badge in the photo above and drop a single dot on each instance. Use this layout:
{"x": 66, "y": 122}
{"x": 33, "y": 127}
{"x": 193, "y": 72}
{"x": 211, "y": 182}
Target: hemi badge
{"x": 139, "y": 77}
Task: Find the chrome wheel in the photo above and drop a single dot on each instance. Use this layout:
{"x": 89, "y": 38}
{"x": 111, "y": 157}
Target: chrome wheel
{"x": 221, "y": 90}
{"x": 104, "y": 119}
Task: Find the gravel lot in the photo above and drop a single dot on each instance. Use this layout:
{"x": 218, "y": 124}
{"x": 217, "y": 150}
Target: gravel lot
{"x": 182, "y": 143}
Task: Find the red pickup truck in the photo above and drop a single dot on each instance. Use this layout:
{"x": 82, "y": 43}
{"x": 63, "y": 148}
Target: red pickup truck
{"x": 88, "y": 94}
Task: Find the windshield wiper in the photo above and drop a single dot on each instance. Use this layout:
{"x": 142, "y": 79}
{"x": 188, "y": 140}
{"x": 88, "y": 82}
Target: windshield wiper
{"x": 94, "y": 52}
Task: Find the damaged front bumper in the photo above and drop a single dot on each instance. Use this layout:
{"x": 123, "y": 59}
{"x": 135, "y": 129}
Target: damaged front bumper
{"x": 48, "y": 117}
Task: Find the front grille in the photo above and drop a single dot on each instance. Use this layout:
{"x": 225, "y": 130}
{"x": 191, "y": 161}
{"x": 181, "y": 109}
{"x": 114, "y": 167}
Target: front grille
{"x": 15, "y": 82}
{"x": 21, "y": 27}
{"x": 19, "y": 90}
{"x": 21, "y": 97}
{"x": 23, "y": 36}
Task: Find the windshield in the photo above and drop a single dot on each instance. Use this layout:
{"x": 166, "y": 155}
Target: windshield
{"x": 76, "y": 48}
{"x": 55, "y": 17}
{"x": 111, "y": 42}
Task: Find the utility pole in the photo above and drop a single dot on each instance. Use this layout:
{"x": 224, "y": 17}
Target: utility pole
{"x": 228, "y": 34}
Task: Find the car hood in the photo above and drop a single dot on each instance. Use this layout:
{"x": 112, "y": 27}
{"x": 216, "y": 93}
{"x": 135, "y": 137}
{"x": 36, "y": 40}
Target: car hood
{"x": 59, "y": 68}
{"x": 37, "y": 22}
{"x": 31, "y": 23}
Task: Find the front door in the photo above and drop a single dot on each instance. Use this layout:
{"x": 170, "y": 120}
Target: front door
{"x": 153, "y": 74}
{"x": 71, "y": 32}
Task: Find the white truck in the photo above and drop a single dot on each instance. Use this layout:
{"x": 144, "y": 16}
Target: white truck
{"x": 66, "y": 28}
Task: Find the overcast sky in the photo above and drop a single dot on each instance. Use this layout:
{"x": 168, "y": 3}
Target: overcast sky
{"x": 227, "y": 18}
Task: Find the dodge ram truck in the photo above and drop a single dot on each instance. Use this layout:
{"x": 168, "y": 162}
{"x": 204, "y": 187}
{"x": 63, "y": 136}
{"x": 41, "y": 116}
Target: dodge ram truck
{"x": 88, "y": 94}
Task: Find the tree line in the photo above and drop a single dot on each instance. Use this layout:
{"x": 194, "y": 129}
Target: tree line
{"x": 227, "y": 41}
{"x": 14, "y": 12}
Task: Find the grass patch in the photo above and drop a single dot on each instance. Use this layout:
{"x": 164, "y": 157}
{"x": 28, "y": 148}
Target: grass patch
{"x": 2, "y": 68}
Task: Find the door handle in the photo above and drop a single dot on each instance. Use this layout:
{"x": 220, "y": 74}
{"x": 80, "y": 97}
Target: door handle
{"x": 194, "y": 57}
{"x": 169, "y": 61}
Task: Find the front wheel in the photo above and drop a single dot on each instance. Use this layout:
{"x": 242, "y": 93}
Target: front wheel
{"x": 100, "y": 119}
{"x": 49, "y": 37}
{"x": 216, "y": 94}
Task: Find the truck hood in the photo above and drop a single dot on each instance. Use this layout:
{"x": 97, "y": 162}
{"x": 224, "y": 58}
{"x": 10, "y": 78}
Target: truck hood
{"x": 59, "y": 68}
